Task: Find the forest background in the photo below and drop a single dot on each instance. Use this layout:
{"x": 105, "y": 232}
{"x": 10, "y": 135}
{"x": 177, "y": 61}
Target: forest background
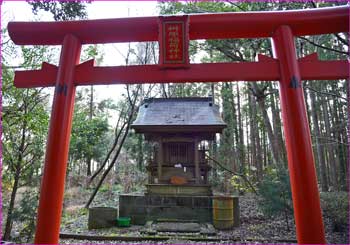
{"x": 106, "y": 157}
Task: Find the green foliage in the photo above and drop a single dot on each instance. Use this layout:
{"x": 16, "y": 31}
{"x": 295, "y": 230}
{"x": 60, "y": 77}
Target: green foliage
{"x": 26, "y": 213}
{"x": 175, "y": 7}
{"x": 335, "y": 205}
{"x": 25, "y": 121}
{"x": 137, "y": 149}
{"x": 240, "y": 185}
{"x": 83, "y": 211}
{"x": 69, "y": 216}
{"x": 275, "y": 193}
{"x": 227, "y": 141}
{"x": 61, "y": 10}
{"x": 88, "y": 137}
{"x": 25, "y": 127}
{"x": 105, "y": 188}
{"x": 92, "y": 52}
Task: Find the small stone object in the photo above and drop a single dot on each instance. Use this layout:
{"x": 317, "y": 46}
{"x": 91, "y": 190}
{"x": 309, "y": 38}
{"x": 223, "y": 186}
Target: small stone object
{"x": 102, "y": 217}
{"x": 208, "y": 230}
{"x": 178, "y": 227}
{"x": 149, "y": 224}
{"x": 178, "y": 180}
{"x": 151, "y": 232}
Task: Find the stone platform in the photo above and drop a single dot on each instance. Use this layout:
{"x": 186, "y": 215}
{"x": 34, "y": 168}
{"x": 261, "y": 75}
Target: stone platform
{"x": 152, "y": 207}
{"x": 179, "y": 190}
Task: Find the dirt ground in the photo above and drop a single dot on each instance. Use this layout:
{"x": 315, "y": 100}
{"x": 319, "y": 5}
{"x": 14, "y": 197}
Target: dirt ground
{"x": 254, "y": 228}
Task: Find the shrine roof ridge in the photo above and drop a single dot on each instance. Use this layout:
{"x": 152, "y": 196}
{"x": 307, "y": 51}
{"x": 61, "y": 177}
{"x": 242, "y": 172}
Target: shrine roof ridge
{"x": 179, "y": 112}
{"x": 150, "y": 100}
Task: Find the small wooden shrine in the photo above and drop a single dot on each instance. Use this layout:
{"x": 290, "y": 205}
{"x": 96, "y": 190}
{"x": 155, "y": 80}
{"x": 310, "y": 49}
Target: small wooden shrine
{"x": 179, "y": 131}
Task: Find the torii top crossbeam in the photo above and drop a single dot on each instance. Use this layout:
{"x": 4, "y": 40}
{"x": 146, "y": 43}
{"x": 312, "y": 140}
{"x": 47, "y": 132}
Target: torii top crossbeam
{"x": 203, "y": 26}
{"x": 282, "y": 27}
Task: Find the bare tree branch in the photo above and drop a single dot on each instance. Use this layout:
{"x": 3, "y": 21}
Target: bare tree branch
{"x": 342, "y": 40}
{"x": 236, "y": 5}
{"x": 132, "y": 110}
{"x": 115, "y": 143}
{"x": 325, "y": 93}
{"x": 234, "y": 173}
{"x": 323, "y": 47}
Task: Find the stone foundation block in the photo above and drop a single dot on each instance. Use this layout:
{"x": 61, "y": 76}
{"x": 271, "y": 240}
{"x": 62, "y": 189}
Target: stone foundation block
{"x": 102, "y": 217}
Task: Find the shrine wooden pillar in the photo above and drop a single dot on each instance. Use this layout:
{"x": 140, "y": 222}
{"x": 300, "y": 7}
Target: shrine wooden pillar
{"x": 196, "y": 161}
{"x": 160, "y": 159}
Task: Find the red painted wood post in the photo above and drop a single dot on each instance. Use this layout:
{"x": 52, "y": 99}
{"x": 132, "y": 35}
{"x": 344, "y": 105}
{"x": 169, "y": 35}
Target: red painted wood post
{"x": 302, "y": 172}
{"x": 52, "y": 185}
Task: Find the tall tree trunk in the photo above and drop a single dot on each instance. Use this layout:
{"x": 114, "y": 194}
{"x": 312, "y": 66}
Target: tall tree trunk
{"x": 256, "y": 143}
{"x": 331, "y": 151}
{"x": 91, "y": 112}
{"x": 264, "y": 149}
{"x": 253, "y": 130}
{"x": 17, "y": 167}
{"x": 323, "y": 141}
{"x": 260, "y": 97}
{"x": 9, "y": 219}
{"x": 140, "y": 152}
{"x": 213, "y": 144}
{"x": 277, "y": 126}
{"x": 334, "y": 121}
{"x": 338, "y": 131}
{"x": 259, "y": 159}
{"x": 235, "y": 131}
{"x": 88, "y": 171}
{"x": 240, "y": 129}
{"x": 248, "y": 133}
{"x": 227, "y": 143}
{"x": 320, "y": 150}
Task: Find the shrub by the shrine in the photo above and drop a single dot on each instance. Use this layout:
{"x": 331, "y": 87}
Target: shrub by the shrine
{"x": 275, "y": 194}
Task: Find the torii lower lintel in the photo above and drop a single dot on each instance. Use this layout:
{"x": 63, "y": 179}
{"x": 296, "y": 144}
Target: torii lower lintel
{"x": 267, "y": 69}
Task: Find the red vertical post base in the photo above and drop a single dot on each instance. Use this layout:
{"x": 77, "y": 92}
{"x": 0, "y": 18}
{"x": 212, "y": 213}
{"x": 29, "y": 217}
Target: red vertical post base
{"x": 52, "y": 185}
{"x": 306, "y": 199}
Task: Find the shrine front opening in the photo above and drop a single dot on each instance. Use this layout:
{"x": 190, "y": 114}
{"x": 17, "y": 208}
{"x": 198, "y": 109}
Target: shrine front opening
{"x": 282, "y": 27}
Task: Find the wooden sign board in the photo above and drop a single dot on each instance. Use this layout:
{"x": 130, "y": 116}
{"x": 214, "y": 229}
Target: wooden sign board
{"x": 173, "y": 41}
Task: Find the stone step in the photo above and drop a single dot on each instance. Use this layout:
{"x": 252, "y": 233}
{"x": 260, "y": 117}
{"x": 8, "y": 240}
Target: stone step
{"x": 185, "y": 228}
{"x": 177, "y": 227}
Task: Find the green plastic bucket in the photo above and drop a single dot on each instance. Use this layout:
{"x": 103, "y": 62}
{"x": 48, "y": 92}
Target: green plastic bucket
{"x": 123, "y": 221}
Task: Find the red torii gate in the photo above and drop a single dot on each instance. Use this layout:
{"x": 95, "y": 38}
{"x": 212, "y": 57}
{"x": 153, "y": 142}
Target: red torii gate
{"x": 281, "y": 26}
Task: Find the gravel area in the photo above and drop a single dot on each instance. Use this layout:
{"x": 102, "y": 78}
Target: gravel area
{"x": 255, "y": 228}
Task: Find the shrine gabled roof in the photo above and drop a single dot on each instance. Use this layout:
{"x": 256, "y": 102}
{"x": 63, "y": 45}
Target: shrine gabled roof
{"x": 179, "y": 114}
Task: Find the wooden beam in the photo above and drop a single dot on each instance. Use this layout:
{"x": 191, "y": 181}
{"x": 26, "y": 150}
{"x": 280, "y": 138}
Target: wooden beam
{"x": 201, "y": 26}
{"x": 264, "y": 70}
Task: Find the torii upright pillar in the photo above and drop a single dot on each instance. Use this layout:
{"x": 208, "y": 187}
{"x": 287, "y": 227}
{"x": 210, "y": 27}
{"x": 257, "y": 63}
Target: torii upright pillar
{"x": 302, "y": 172}
{"x": 51, "y": 196}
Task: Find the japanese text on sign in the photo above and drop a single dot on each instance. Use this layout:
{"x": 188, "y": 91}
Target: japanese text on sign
{"x": 174, "y": 42}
